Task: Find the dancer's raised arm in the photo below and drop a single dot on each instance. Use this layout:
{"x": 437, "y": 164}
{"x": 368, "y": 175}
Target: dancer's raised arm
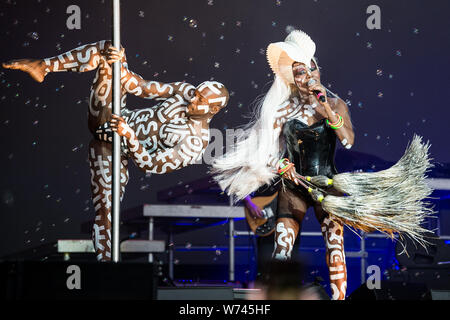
{"x": 147, "y": 89}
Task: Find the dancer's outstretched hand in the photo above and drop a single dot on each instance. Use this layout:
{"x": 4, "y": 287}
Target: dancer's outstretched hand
{"x": 113, "y": 54}
{"x": 119, "y": 125}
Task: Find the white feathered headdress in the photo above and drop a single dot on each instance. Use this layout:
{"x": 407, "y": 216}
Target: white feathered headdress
{"x": 297, "y": 47}
{"x": 246, "y": 168}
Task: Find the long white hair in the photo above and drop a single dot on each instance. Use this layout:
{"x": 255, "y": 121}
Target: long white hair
{"x": 244, "y": 169}
{"x": 248, "y": 166}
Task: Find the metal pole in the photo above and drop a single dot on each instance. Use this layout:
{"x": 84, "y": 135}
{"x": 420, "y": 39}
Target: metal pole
{"x": 115, "y": 206}
{"x": 171, "y": 250}
{"x": 363, "y": 257}
{"x": 231, "y": 249}
{"x": 151, "y": 225}
{"x": 231, "y": 244}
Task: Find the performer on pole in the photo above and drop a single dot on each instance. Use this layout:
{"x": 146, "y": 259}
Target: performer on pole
{"x": 294, "y": 136}
{"x": 166, "y": 137}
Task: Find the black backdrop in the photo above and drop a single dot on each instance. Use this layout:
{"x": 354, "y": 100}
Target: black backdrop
{"x": 394, "y": 79}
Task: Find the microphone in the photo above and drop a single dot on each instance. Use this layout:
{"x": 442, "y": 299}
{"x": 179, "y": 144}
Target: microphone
{"x": 318, "y": 94}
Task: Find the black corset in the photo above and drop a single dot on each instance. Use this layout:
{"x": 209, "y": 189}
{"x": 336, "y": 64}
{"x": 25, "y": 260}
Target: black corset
{"x": 311, "y": 148}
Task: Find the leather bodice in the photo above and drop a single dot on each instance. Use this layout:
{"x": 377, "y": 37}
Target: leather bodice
{"x": 311, "y": 148}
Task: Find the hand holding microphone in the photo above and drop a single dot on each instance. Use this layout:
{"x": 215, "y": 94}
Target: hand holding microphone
{"x": 318, "y": 90}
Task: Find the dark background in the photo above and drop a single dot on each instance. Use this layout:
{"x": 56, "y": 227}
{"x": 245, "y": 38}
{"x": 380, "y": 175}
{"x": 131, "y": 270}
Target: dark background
{"x": 395, "y": 81}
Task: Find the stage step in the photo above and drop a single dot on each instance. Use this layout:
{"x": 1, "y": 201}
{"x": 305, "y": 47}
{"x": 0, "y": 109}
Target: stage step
{"x": 68, "y": 246}
{"x": 75, "y": 246}
{"x": 142, "y": 246}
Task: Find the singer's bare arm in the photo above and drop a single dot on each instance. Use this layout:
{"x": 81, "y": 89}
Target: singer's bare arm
{"x": 345, "y": 134}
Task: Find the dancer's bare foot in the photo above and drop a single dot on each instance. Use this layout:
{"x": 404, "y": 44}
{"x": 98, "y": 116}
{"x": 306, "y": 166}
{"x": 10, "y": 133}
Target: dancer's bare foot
{"x": 35, "y": 68}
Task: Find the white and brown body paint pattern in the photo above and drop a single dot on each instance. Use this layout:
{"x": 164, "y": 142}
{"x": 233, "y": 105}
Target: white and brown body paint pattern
{"x": 291, "y": 212}
{"x": 333, "y": 233}
{"x": 292, "y": 208}
{"x": 100, "y": 162}
{"x": 291, "y": 109}
{"x": 285, "y": 235}
{"x": 307, "y": 113}
{"x": 161, "y": 139}
{"x": 92, "y": 57}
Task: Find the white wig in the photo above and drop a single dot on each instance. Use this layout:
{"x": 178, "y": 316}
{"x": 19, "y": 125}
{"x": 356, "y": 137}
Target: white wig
{"x": 246, "y": 168}
{"x": 252, "y": 162}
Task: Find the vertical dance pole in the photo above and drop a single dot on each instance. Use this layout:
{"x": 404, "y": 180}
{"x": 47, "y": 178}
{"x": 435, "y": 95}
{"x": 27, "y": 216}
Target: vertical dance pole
{"x": 115, "y": 205}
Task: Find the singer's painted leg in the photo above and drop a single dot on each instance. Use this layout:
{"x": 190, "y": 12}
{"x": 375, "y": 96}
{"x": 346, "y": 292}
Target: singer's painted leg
{"x": 291, "y": 211}
{"x": 333, "y": 234}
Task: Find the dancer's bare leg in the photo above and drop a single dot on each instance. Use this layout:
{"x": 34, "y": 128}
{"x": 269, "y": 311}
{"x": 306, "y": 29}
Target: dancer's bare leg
{"x": 35, "y": 68}
{"x": 100, "y": 152}
{"x": 81, "y": 59}
{"x": 333, "y": 233}
{"x": 85, "y": 58}
{"x": 100, "y": 162}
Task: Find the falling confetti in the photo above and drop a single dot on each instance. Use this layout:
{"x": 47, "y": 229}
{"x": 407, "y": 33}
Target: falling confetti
{"x": 33, "y": 35}
{"x": 193, "y": 23}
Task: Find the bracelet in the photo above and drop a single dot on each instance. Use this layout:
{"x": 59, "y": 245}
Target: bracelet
{"x": 283, "y": 171}
{"x": 338, "y": 124}
{"x": 281, "y": 163}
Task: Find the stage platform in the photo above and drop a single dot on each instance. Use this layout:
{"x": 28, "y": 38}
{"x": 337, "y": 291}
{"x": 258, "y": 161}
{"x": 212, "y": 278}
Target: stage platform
{"x": 64, "y": 280}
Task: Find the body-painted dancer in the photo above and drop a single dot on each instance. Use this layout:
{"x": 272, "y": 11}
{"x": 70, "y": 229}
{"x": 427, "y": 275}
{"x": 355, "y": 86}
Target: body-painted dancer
{"x": 166, "y": 137}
